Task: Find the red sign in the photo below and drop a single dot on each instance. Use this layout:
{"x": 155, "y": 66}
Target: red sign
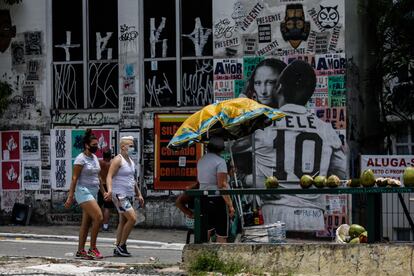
{"x": 104, "y": 141}
{"x": 10, "y": 145}
{"x": 174, "y": 170}
{"x": 10, "y": 175}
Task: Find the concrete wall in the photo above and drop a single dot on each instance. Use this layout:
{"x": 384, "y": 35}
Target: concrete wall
{"x": 313, "y": 259}
{"x": 28, "y": 16}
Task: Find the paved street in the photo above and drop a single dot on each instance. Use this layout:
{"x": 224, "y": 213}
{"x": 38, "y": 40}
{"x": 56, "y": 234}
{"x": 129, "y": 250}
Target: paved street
{"x": 56, "y": 245}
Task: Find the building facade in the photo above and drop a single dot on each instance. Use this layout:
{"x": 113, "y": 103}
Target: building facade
{"x": 138, "y": 68}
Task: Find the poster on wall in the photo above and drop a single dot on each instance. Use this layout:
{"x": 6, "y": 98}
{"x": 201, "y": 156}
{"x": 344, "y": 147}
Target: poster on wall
{"x": 61, "y": 158}
{"x": 300, "y": 143}
{"x": 30, "y": 145}
{"x": 32, "y": 175}
{"x": 174, "y": 170}
{"x": 266, "y": 27}
{"x": 10, "y": 145}
{"x": 389, "y": 166}
{"x": 335, "y": 215}
{"x": 226, "y": 73}
{"x": 77, "y": 141}
{"x": 44, "y": 193}
{"x": 45, "y": 150}
{"x": 11, "y": 177}
{"x": 104, "y": 140}
{"x": 66, "y": 145}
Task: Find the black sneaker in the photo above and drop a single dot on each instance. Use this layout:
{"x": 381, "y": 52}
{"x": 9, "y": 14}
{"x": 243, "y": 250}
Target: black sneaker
{"x": 122, "y": 250}
{"x": 116, "y": 252}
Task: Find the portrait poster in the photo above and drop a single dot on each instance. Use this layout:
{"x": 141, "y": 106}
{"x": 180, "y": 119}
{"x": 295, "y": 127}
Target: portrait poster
{"x": 30, "y": 145}
{"x": 10, "y": 145}
{"x": 32, "y": 175}
{"x": 11, "y": 177}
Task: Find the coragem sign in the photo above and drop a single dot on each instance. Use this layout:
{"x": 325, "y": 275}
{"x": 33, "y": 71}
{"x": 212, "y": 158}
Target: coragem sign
{"x": 174, "y": 170}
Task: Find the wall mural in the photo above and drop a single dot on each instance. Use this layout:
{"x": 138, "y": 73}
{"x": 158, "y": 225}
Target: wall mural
{"x": 277, "y": 27}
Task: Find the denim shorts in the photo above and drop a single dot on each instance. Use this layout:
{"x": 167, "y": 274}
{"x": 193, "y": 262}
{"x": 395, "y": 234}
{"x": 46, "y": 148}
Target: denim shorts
{"x": 123, "y": 204}
{"x": 83, "y": 194}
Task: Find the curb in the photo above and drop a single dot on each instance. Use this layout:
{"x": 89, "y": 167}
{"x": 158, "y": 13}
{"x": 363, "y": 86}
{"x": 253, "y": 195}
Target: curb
{"x": 161, "y": 245}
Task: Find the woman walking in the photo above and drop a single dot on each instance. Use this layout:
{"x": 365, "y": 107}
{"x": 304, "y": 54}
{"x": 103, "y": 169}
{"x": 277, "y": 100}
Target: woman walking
{"x": 84, "y": 188}
{"x": 122, "y": 186}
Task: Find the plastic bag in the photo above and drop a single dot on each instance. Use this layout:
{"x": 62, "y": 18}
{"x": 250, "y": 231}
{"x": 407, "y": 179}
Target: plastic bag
{"x": 140, "y": 213}
{"x": 342, "y": 233}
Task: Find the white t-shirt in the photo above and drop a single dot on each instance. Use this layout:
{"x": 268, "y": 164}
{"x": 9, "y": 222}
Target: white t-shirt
{"x": 89, "y": 176}
{"x": 298, "y": 144}
{"x": 123, "y": 182}
{"x": 207, "y": 168}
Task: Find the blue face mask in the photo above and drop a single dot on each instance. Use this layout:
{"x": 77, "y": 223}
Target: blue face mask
{"x": 131, "y": 150}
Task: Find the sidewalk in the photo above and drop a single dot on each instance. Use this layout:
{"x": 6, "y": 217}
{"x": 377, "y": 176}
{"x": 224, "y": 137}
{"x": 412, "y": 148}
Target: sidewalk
{"x": 63, "y": 232}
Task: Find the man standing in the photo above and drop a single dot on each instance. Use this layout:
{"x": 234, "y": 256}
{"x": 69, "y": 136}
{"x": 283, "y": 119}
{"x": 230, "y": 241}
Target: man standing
{"x": 212, "y": 175}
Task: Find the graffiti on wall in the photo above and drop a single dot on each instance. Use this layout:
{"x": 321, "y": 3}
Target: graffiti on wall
{"x": 88, "y": 118}
{"x": 199, "y": 37}
{"x": 197, "y": 83}
{"x": 277, "y": 27}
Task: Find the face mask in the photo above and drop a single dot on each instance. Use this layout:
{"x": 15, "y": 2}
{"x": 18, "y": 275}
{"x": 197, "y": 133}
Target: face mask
{"x": 131, "y": 150}
{"x": 93, "y": 149}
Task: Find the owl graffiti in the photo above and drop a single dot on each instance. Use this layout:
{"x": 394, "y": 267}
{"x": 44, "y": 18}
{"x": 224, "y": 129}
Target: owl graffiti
{"x": 328, "y": 17}
{"x": 294, "y": 28}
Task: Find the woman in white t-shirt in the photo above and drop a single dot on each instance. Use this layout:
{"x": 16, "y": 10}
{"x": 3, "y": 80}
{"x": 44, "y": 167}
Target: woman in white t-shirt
{"x": 84, "y": 188}
{"x": 122, "y": 185}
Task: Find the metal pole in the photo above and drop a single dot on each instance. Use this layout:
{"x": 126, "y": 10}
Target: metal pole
{"x": 197, "y": 219}
{"x": 253, "y": 143}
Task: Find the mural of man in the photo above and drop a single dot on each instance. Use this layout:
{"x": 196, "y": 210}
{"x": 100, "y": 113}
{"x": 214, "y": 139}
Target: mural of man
{"x": 7, "y": 31}
{"x": 294, "y": 28}
{"x": 298, "y": 144}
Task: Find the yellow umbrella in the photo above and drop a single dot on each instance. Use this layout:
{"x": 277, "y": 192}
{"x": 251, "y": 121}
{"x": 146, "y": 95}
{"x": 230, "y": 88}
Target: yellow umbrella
{"x": 231, "y": 119}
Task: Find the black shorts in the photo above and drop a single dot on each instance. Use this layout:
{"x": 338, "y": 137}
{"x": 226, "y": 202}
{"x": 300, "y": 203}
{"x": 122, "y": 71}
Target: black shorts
{"x": 216, "y": 210}
{"x": 106, "y": 204}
